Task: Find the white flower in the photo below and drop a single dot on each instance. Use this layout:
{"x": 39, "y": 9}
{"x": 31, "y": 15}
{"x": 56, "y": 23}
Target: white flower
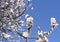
{"x": 13, "y": 27}
{"x": 40, "y": 33}
{"x": 45, "y": 38}
{"x": 5, "y": 35}
{"x": 9, "y": 23}
{"x": 42, "y": 39}
{"x": 53, "y": 20}
{"x": 29, "y": 18}
{"x": 39, "y": 40}
{"x": 46, "y": 33}
{"x": 6, "y": 3}
{"x": 29, "y": 22}
{"x": 2, "y": 5}
{"x": 21, "y": 2}
{"x": 11, "y": 10}
{"x": 26, "y": 15}
{"x": 53, "y": 23}
{"x": 25, "y": 34}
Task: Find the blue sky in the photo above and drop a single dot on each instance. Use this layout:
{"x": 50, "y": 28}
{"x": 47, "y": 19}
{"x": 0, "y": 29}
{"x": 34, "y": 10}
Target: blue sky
{"x": 43, "y": 11}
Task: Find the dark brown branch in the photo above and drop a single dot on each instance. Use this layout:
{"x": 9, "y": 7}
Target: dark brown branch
{"x": 27, "y": 40}
{"x": 33, "y": 37}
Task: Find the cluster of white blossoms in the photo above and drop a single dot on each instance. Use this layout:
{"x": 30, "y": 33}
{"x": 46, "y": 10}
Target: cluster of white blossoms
{"x": 12, "y": 20}
{"x": 42, "y": 35}
{"x": 54, "y": 24}
{"x": 25, "y": 34}
{"x": 29, "y": 21}
{"x": 4, "y": 35}
{"x": 11, "y": 12}
{"x": 42, "y": 40}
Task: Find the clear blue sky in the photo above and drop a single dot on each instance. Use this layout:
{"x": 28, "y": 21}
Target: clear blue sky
{"x": 43, "y": 11}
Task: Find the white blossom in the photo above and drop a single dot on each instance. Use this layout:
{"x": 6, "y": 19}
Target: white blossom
{"x": 11, "y": 10}
{"x": 9, "y": 23}
{"x": 6, "y": 3}
{"x": 42, "y": 39}
{"x": 54, "y": 24}
{"x": 29, "y": 21}
{"x": 45, "y": 38}
{"x": 40, "y": 33}
{"x": 26, "y": 15}
{"x": 25, "y": 34}
{"x": 21, "y": 2}
{"x": 39, "y": 40}
{"x": 13, "y": 27}
{"x": 53, "y": 20}
{"x": 46, "y": 33}
{"x": 5, "y": 35}
{"x": 29, "y": 18}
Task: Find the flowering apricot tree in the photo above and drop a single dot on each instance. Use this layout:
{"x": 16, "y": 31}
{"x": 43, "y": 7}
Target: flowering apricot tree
{"x": 11, "y": 22}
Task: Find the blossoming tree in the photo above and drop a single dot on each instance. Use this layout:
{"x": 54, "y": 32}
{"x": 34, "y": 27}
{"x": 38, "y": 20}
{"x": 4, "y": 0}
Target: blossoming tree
{"x": 11, "y": 22}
